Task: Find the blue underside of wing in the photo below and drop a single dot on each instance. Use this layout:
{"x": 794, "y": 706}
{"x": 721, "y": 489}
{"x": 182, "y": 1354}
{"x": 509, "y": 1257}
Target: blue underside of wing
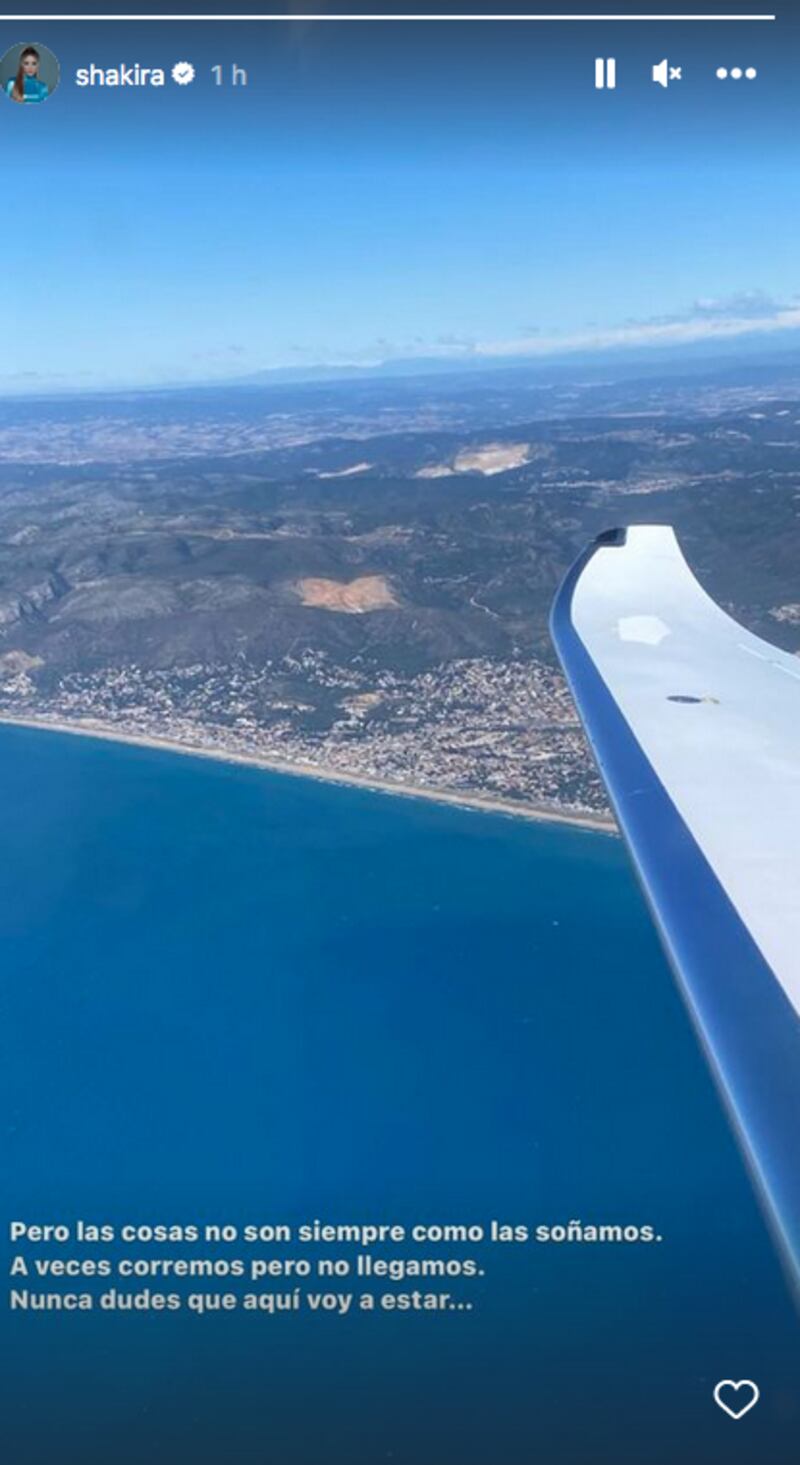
{"x": 747, "y": 1025}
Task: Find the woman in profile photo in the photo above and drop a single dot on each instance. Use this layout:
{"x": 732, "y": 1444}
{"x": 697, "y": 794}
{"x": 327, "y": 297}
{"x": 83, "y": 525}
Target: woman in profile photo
{"x": 27, "y": 85}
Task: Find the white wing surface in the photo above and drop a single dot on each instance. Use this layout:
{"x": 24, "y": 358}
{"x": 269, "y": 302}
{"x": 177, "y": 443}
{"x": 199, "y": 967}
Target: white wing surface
{"x": 695, "y": 725}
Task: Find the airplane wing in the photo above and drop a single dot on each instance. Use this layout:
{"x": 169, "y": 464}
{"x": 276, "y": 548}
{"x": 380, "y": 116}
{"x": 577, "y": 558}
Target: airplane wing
{"x": 695, "y": 726}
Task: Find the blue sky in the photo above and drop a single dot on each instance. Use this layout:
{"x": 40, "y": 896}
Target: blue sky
{"x": 393, "y": 191}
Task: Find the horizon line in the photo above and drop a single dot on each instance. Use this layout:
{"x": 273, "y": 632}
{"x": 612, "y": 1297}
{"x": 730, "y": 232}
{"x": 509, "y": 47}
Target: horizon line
{"x": 635, "y": 359}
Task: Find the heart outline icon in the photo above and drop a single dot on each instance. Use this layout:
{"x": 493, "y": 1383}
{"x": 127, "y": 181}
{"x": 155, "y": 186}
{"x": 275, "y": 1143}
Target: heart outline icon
{"x": 736, "y": 1385}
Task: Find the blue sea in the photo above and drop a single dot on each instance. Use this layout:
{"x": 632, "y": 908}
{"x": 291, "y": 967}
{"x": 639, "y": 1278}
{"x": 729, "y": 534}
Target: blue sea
{"x": 232, "y": 996}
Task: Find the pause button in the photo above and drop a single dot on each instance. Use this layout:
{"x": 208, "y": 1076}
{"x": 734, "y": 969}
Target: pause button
{"x": 605, "y": 73}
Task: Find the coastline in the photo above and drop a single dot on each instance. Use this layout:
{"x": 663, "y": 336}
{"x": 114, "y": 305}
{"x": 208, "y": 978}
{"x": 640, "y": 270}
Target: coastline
{"x": 478, "y": 803}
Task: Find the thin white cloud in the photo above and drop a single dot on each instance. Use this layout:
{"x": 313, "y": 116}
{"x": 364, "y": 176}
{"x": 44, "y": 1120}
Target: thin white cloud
{"x": 744, "y": 305}
{"x": 749, "y": 313}
{"x": 710, "y": 326}
{"x": 745, "y": 314}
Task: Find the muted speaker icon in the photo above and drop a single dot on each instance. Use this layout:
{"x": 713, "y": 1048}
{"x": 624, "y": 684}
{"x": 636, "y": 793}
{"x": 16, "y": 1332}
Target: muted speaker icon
{"x": 664, "y": 73}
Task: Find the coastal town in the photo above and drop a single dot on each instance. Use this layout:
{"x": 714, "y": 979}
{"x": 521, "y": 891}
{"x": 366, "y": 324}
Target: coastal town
{"x": 476, "y": 730}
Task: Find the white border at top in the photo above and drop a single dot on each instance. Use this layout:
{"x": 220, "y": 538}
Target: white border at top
{"x": 329, "y": 17}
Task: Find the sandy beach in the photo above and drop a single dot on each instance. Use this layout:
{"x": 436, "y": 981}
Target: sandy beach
{"x": 478, "y": 802}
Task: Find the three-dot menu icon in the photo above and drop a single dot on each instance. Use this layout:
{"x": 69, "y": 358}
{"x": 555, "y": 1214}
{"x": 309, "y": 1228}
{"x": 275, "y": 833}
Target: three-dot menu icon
{"x": 736, "y": 73}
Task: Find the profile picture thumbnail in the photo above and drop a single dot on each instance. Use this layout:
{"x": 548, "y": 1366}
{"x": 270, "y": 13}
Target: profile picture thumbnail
{"x": 29, "y": 73}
